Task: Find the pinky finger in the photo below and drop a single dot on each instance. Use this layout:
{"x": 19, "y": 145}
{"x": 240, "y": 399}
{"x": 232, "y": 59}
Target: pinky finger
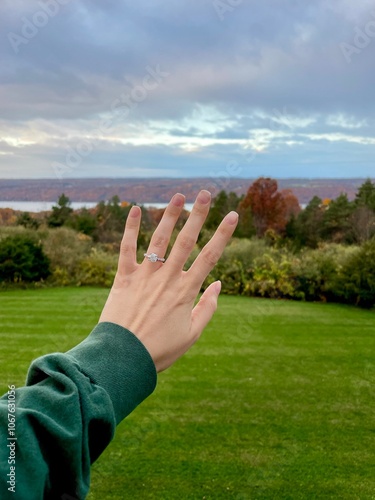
{"x": 205, "y": 309}
{"x": 128, "y": 251}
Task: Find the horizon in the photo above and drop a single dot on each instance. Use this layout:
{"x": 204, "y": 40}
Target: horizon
{"x": 68, "y": 179}
{"x": 160, "y": 190}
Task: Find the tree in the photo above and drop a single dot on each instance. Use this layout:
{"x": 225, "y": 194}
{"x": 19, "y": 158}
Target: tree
{"x": 308, "y": 226}
{"x": 292, "y": 206}
{"x": 363, "y": 224}
{"x": 366, "y": 195}
{"x": 27, "y": 221}
{"x": 84, "y": 221}
{"x": 22, "y": 259}
{"x": 270, "y": 209}
{"x": 111, "y": 217}
{"x": 222, "y": 204}
{"x": 60, "y": 213}
{"x": 363, "y": 218}
{"x": 337, "y": 220}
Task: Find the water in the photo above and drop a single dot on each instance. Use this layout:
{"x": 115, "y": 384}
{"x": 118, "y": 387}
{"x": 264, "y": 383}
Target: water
{"x": 41, "y": 206}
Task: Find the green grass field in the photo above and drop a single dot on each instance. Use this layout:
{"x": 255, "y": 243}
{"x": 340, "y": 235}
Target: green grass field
{"x": 276, "y": 401}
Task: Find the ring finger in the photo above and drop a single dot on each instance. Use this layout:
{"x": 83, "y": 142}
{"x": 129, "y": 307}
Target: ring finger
{"x": 162, "y": 235}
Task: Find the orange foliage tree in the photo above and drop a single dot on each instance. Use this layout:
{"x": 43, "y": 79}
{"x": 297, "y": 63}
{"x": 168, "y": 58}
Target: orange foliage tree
{"x": 269, "y": 207}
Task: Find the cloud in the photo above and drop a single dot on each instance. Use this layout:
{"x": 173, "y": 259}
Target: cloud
{"x": 270, "y": 78}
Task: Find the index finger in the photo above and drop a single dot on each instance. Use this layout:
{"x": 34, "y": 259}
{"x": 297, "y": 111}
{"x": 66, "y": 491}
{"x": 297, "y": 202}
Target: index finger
{"x": 127, "y": 262}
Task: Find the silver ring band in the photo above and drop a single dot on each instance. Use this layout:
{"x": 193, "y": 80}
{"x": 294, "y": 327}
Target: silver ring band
{"x": 152, "y": 257}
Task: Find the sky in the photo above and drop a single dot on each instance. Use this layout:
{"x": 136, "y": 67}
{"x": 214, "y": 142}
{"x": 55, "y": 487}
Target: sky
{"x": 195, "y": 88}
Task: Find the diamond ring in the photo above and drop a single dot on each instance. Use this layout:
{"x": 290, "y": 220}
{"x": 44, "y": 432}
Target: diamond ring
{"x": 152, "y": 257}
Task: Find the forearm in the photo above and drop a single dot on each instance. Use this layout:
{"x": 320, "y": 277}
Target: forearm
{"x": 67, "y": 413}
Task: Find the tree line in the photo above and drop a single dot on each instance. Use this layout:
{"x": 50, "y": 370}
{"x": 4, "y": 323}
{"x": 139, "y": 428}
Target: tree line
{"x": 267, "y": 212}
{"x": 324, "y": 251}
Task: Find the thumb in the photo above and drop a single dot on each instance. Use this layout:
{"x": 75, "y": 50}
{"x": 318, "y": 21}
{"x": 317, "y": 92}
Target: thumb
{"x": 204, "y": 310}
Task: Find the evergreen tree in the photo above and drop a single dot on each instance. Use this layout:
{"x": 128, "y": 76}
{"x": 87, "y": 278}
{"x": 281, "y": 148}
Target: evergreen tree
{"x": 222, "y": 204}
{"x": 61, "y": 213}
{"x": 84, "y": 222}
{"x": 337, "y": 220}
{"x": 363, "y": 218}
{"x": 366, "y": 195}
{"x": 309, "y": 224}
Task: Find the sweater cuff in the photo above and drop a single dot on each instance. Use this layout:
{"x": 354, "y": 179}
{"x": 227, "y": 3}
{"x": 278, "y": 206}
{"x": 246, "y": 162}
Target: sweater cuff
{"x": 116, "y": 360}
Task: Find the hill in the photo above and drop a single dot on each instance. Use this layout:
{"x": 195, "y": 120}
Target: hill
{"x": 160, "y": 190}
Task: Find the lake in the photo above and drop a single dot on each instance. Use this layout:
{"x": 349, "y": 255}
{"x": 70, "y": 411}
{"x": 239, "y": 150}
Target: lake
{"x": 41, "y": 206}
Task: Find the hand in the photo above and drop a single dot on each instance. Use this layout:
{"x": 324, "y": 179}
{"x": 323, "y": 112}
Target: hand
{"x": 155, "y": 300}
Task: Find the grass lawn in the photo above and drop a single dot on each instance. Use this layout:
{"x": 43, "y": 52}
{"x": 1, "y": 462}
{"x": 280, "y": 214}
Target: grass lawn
{"x": 276, "y": 401}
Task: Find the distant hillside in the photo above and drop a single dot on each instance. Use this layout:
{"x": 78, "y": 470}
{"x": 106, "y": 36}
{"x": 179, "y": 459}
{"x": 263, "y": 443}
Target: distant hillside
{"x": 161, "y": 190}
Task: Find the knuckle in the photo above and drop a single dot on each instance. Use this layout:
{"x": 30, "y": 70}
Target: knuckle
{"x": 223, "y": 231}
{"x": 160, "y": 242}
{"x": 127, "y": 249}
{"x": 188, "y": 296}
{"x": 200, "y": 210}
{"x": 186, "y": 242}
{"x": 210, "y": 256}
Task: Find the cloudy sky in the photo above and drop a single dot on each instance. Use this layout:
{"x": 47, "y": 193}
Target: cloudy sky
{"x": 187, "y": 88}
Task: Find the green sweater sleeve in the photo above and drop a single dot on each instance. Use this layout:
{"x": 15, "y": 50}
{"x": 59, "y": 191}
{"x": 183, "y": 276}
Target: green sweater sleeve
{"x": 67, "y": 413}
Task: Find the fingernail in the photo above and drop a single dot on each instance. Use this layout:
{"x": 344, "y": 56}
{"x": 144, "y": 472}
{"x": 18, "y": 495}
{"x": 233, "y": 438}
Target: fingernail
{"x": 232, "y": 218}
{"x": 204, "y": 197}
{"x": 218, "y": 287}
{"x": 178, "y": 200}
{"x": 134, "y": 211}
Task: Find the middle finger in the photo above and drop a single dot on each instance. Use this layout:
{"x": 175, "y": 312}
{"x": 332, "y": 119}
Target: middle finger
{"x": 188, "y": 236}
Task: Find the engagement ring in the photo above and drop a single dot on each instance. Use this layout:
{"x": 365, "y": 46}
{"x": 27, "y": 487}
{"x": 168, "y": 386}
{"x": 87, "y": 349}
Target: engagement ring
{"x": 152, "y": 257}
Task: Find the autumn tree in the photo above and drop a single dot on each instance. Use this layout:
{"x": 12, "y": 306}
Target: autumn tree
{"x": 270, "y": 208}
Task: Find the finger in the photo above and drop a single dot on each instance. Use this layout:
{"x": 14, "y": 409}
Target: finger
{"x": 204, "y": 310}
{"x": 212, "y": 252}
{"x": 188, "y": 236}
{"x": 162, "y": 235}
{"x": 128, "y": 251}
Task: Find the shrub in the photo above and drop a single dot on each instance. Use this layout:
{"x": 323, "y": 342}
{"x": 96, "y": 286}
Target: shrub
{"x": 25, "y": 220}
{"x": 234, "y": 267}
{"x": 66, "y": 249}
{"x": 6, "y": 231}
{"x": 271, "y": 276}
{"x": 22, "y": 260}
{"x": 316, "y": 271}
{"x": 98, "y": 268}
{"x": 356, "y": 282}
